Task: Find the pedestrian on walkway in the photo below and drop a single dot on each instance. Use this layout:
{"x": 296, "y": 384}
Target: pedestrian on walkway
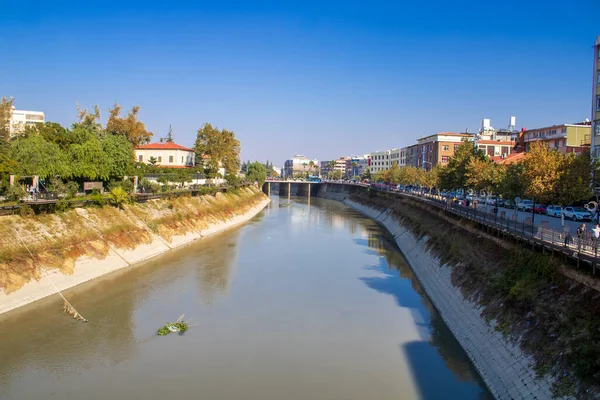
{"x": 580, "y": 236}
{"x": 596, "y": 236}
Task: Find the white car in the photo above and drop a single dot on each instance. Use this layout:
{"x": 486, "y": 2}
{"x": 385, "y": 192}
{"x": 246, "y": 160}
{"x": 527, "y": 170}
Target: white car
{"x": 578, "y": 214}
{"x": 525, "y": 205}
{"x": 553, "y": 211}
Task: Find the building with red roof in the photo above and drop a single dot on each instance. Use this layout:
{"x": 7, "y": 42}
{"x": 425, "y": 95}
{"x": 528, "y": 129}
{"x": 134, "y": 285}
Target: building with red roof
{"x": 166, "y": 154}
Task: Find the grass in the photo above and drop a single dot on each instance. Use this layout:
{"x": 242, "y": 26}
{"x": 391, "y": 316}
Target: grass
{"x": 523, "y": 294}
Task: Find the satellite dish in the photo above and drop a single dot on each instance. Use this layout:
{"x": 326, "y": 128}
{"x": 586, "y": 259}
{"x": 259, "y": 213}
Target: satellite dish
{"x": 517, "y": 200}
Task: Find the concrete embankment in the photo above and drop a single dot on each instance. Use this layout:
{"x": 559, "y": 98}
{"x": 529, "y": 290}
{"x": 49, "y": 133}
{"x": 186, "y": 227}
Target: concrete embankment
{"x": 84, "y": 244}
{"x": 501, "y": 363}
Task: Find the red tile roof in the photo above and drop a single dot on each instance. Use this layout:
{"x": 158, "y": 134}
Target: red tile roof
{"x": 510, "y": 158}
{"x": 163, "y": 146}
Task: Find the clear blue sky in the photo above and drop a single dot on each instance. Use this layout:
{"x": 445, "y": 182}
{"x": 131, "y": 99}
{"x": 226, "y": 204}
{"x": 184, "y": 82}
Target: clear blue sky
{"x": 325, "y": 79}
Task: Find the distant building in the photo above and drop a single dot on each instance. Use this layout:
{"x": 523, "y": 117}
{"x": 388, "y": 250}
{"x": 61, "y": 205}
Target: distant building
{"x": 380, "y": 161}
{"x": 435, "y": 149}
{"x": 299, "y": 164}
{"x": 565, "y": 138}
{"x": 21, "y": 118}
{"x": 166, "y": 154}
{"x": 595, "y": 142}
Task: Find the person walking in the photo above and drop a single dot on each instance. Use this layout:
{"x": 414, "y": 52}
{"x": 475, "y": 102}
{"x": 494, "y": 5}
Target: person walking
{"x": 580, "y": 236}
{"x": 596, "y": 236}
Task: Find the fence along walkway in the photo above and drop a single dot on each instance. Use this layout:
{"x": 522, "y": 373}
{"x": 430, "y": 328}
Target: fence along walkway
{"x": 580, "y": 250}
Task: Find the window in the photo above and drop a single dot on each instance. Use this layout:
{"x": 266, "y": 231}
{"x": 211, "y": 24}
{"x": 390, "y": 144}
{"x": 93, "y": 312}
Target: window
{"x": 182, "y": 159}
{"x": 444, "y": 159}
{"x": 456, "y": 146}
{"x": 598, "y": 102}
{"x": 171, "y": 159}
{"x": 140, "y": 158}
{"x": 445, "y": 147}
{"x": 556, "y": 144}
{"x": 598, "y": 128}
{"x": 159, "y": 159}
{"x": 505, "y": 150}
{"x": 598, "y": 79}
{"x": 564, "y": 142}
{"x": 563, "y": 130}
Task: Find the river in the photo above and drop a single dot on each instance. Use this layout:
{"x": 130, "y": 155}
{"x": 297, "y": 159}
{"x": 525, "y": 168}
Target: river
{"x": 303, "y": 302}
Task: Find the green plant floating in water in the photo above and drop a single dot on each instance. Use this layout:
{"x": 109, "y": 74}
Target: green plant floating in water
{"x": 178, "y": 326}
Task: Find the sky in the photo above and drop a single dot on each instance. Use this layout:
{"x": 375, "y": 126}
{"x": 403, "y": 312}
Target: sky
{"x": 319, "y": 78}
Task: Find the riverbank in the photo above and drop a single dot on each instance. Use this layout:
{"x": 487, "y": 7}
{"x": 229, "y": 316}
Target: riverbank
{"x": 508, "y": 370}
{"x": 80, "y": 245}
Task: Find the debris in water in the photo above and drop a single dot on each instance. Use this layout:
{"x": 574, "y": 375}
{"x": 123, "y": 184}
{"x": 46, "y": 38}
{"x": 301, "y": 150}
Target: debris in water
{"x": 69, "y": 309}
{"x": 178, "y": 326}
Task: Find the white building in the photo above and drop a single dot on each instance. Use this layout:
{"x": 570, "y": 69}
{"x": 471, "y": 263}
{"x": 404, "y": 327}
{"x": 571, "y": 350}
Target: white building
{"x": 299, "y": 164}
{"x": 380, "y": 161}
{"x": 21, "y": 118}
{"x": 166, "y": 154}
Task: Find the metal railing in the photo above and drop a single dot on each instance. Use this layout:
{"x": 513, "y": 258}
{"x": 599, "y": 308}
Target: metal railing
{"x": 583, "y": 247}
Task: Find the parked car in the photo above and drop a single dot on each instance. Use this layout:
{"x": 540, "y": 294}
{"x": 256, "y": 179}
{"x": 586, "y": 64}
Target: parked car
{"x": 525, "y": 205}
{"x": 578, "y": 214}
{"x": 539, "y": 209}
{"x": 500, "y": 202}
{"x": 553, "y": 211}
{"x": 509, "y": 204}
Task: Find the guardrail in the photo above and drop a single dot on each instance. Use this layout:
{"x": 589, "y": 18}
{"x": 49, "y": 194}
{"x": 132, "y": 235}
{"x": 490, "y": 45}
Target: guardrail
{"x": 580, "y": 249}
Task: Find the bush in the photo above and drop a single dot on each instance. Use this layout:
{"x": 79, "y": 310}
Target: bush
{"x": 98, "y": 199}
{"x": 15, "y": 193}
{"x": 119, "y": 197}
{"x": 68, "y": 189}
{"x": 231, "y": 179}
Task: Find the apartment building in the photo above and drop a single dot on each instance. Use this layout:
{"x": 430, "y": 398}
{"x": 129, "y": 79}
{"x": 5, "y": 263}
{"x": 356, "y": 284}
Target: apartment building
{"x": 380, "y": 161}
{"x": 434, "y": 149}
{"x": 21, "y": 118}
{"x": 565, "y": 138}
{"x": 299, "y": 164}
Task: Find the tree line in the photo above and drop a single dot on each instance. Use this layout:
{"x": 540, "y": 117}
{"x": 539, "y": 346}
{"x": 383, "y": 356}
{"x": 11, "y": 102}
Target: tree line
{"x": 90, "y": 151}
{"x": 545, "y": 175}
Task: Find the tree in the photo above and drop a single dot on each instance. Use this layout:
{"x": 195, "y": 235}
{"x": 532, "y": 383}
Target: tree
{"x": 392, "y": 175}
{"x": 554, "y": 178}
{"x": 431, "y": 179}
{"x": 118, "y": 151}
{"x": 55, "y": 132}
{"x": 484, "y": 175}
{"x": 89, "y": 120}
{"x": 454, "y": 175}
{"x": 366, "y": 175}
{"x": 256, "y": 172}
{"x": 336, "y": 175}
{"x": 152, "y": 161}
{"x": 35, "y": 156}
{"x": 512, "y": 185}
{"x": 130, "y": 127}
{"x": 169, "y": 138}
{"x": 6, "y": 105}
{"x": 88, "y": 160}
{"x": 220, "y": 146}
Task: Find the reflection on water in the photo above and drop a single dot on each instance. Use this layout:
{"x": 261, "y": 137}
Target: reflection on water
{"x": 304, "y": 302}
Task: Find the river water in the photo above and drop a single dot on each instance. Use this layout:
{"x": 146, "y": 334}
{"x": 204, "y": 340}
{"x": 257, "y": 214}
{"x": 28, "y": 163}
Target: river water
{"x": 303, "y": 302}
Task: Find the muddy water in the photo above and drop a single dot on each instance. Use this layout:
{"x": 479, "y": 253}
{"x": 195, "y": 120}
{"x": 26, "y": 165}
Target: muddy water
{"x": 304, "y": 302}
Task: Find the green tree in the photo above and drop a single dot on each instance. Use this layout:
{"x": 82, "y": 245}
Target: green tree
{"x": 119, "y": 156}
{"x": 88, "y": 160}
{"x": 431, "y": 179}
{"x": 256, "y": 172}
{"x": 366, "y": 175}
{"x": 6, "y": 105}
{"x": 36, "y": 156}
{"x": 169, "y": 138}
{"x": 130, "y": 126}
